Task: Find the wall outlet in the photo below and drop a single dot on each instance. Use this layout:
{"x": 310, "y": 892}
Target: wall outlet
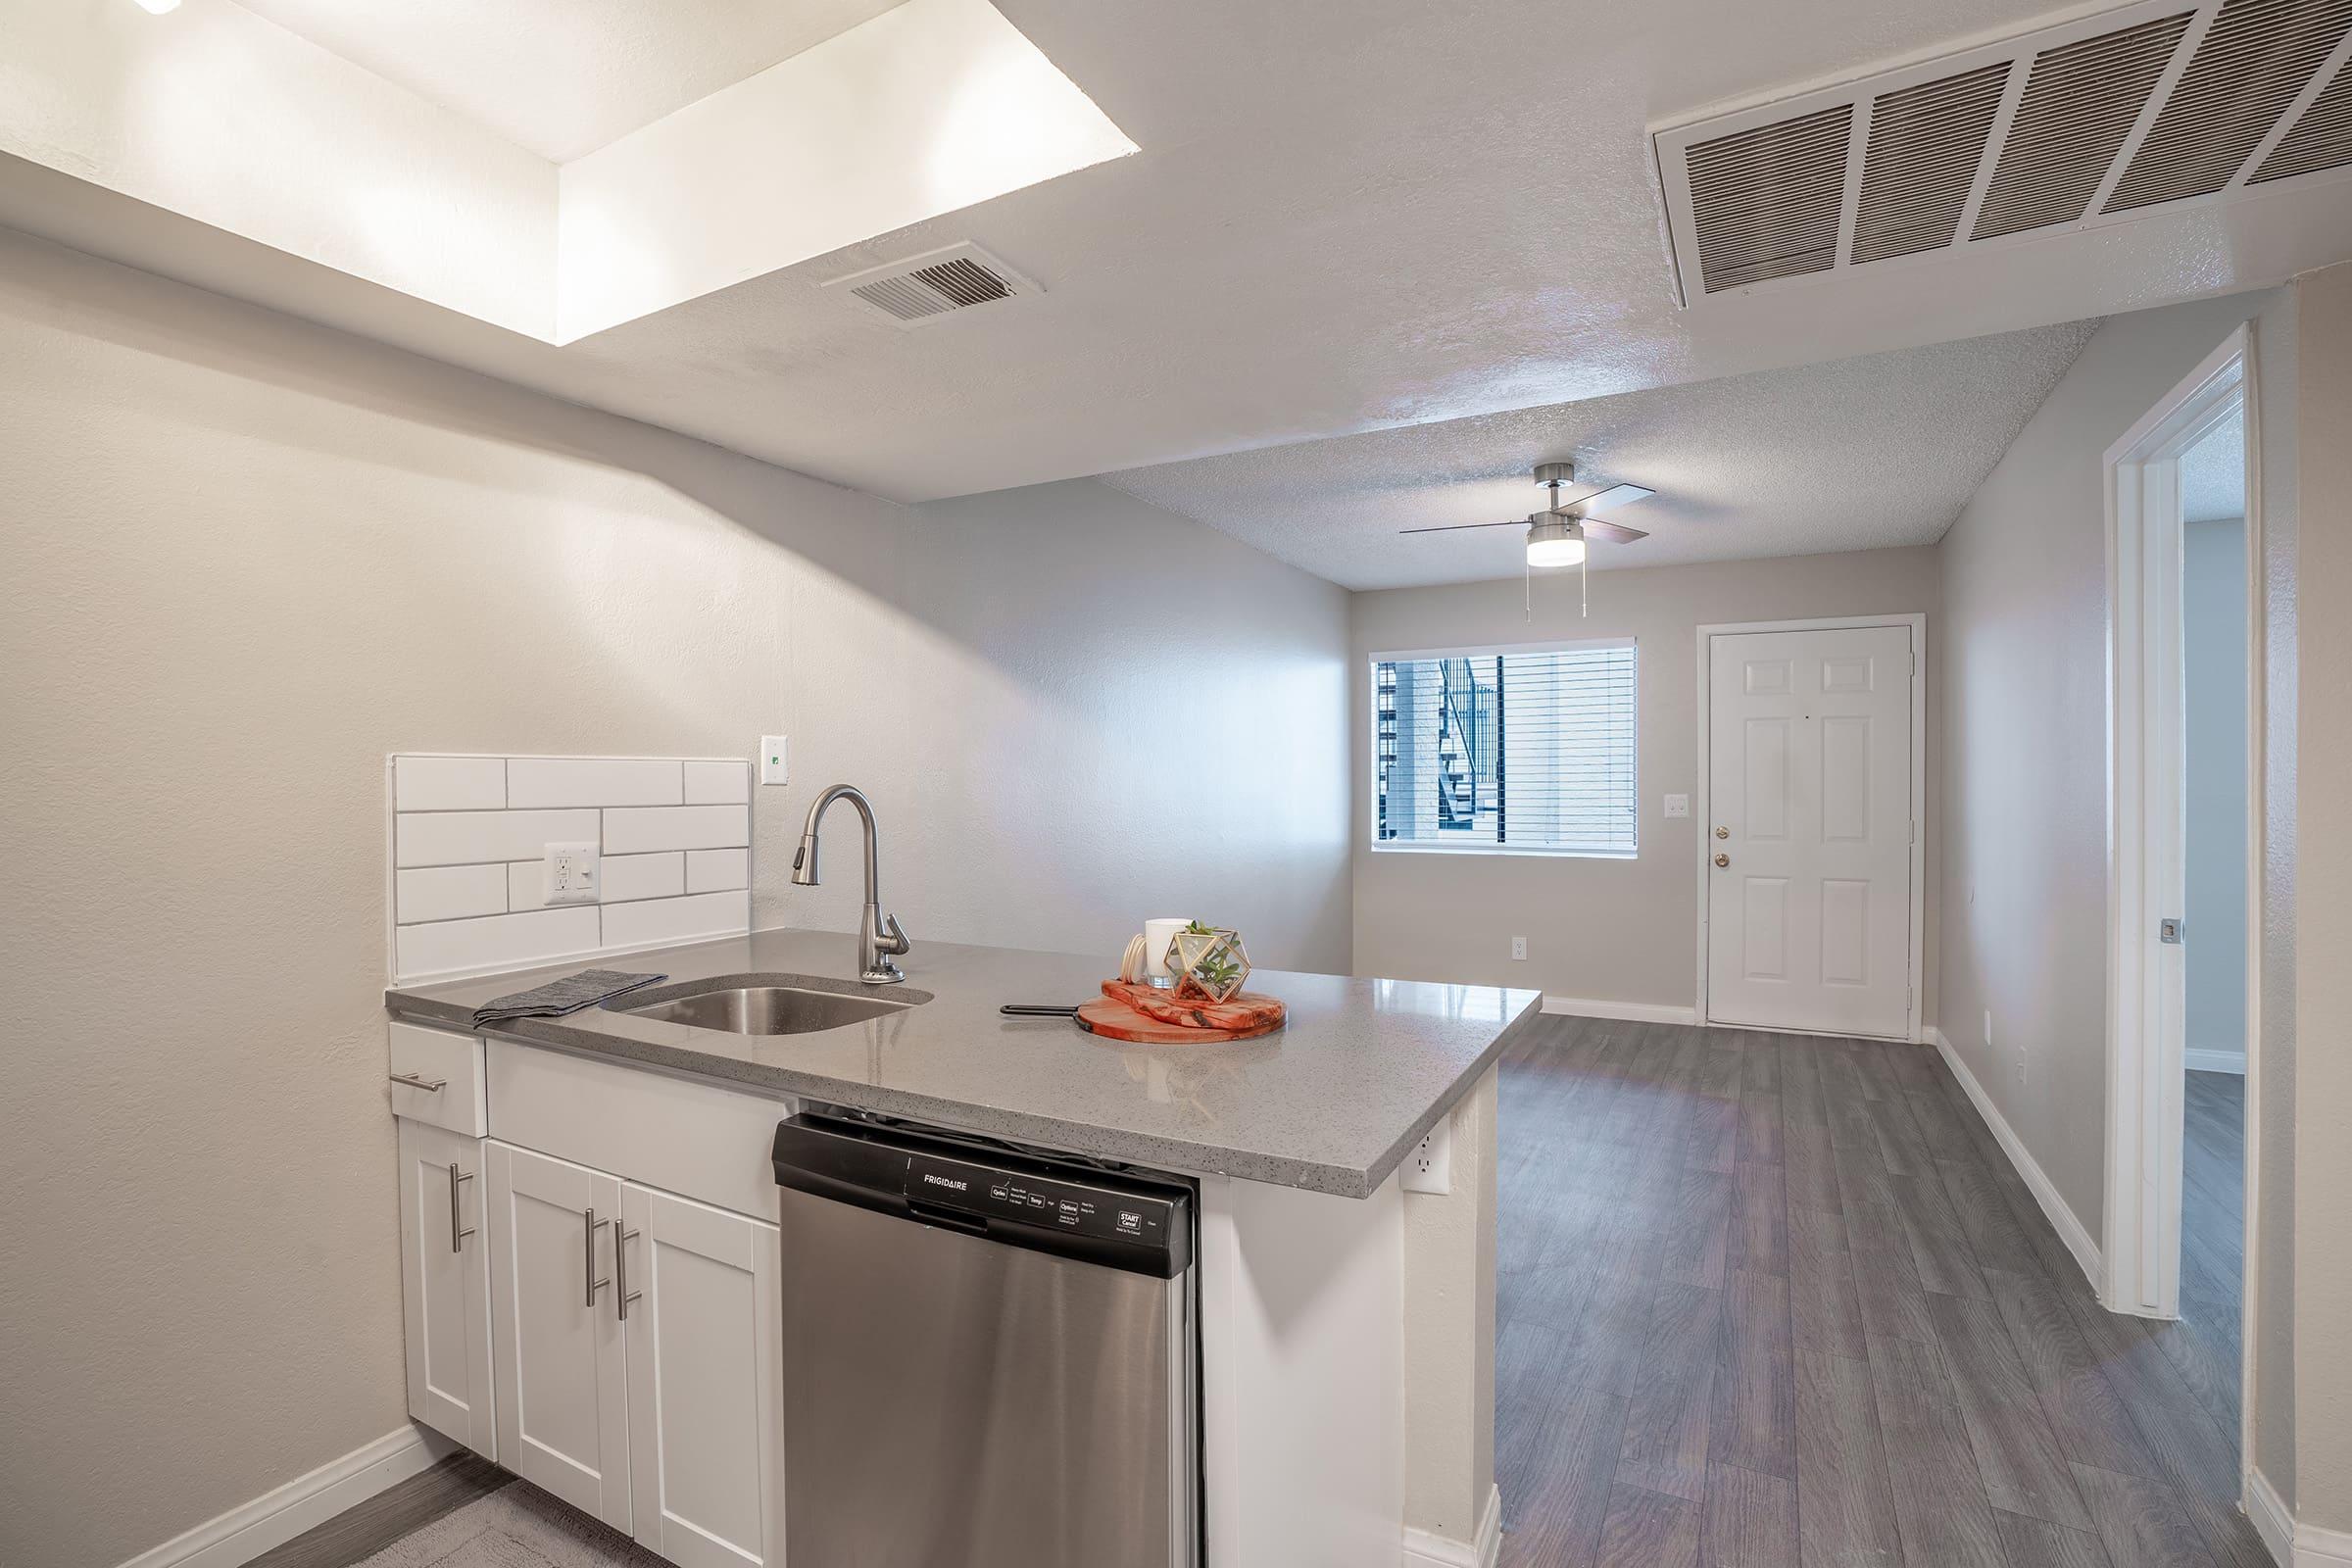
{"x": 571, "y": 873}
{"x": 1677, "y": 806}
{"x": 1429, "y": 1168}
{"x": 773, "y": 758}
{"x": 1518, "y": 946}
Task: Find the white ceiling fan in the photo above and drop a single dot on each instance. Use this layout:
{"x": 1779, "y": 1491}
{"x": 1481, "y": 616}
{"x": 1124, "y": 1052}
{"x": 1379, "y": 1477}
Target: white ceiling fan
{"x": 1556, "y": 537}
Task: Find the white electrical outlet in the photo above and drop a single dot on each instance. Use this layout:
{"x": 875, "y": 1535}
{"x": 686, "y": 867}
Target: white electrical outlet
{"x": 1677, "y": 806}
{"x": 571, "y": 873}
{"x": 1429, "y": 1168}
{"x": 1518, "y": 946}
{"x": 772, "y": 761}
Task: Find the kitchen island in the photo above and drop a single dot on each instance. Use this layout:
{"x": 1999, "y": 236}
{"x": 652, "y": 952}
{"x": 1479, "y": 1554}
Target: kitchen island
{"x": 1315, "y": 1302}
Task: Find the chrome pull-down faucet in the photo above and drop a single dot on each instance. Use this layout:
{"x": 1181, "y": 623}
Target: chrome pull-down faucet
{"x": 878, "y": 938}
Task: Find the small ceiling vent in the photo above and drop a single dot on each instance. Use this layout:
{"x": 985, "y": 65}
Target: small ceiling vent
{"x": 2104, "y": 119}
{"x": 924, "y": 289}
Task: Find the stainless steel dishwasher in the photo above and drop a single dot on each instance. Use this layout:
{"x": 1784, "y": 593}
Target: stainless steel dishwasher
{"x": 991, "y": 1357}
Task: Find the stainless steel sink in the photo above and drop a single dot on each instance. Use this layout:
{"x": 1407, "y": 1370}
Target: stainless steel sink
{"x": 774, "y": 1010}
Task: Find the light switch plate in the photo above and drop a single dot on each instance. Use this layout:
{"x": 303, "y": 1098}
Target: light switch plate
{"x": 571, "y": 873}
{"x": 773, "y": 759}
{"x": 1677, "y": 806}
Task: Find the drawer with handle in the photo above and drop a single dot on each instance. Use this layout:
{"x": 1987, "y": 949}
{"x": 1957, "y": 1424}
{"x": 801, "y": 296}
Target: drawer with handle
{"x": 436, "y": 1077}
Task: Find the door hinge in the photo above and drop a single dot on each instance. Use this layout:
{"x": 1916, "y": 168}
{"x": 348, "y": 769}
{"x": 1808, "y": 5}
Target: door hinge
{"x": 1915, "y": 830}
{"x": 2168, "y": 930}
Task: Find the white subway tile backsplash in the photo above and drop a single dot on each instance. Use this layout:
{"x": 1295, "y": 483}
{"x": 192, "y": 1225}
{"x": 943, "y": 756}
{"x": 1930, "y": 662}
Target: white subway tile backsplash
{"x": 499, "y": 941}
{"x": 449, "y": 783}
{"x": 474, "y": 837}
{"x": 449, "y": 893}
{"x": 634, "y": 830}
{"x": 717, "y": 870}
{"x": 642, "y": 876}
{"x": 707, "y": 914}
{"x": 526, "y": 884}
{"x": 555, "y": 781}
{"x": 718, "y": 783}
{"x": 468, "y": 843}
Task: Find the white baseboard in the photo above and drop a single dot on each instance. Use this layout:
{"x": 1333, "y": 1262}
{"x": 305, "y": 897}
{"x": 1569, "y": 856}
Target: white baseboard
{"x": 1630, "y": 1011}
{"x": 1424, "y": 1550}
{"x": 2070, "y": 1229}
{"x": 2216, "y": 1061}
{"x": 2291, "y": 1545}
{"x": 250, "y": 1529}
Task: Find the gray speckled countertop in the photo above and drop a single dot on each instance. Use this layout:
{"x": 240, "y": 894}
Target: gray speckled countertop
{"x": 1332, "y": 1103}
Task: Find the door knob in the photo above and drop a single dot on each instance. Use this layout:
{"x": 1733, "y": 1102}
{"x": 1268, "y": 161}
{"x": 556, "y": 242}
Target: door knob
{"x": 1723, "y": 832}
{"x": 1723, "y": 861}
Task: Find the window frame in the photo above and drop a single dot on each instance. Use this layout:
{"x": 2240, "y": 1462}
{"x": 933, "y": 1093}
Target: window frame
{"x": 1372, "y": 759}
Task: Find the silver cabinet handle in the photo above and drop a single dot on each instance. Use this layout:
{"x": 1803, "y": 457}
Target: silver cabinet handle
{"x": 431, "y": 1086}
{"x": 588, "y": 1271}
{"x": 623, "y": 1296}
{"x": 458, "y": 1229}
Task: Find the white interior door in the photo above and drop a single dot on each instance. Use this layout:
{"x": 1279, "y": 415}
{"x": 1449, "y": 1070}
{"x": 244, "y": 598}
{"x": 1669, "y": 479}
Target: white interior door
{"x": 1809, "y": 844}
{"x": 563, "y": 1386}
{"x": 705, "y": 1391}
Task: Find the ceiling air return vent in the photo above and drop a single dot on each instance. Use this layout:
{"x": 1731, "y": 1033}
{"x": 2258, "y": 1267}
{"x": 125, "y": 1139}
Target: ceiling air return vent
{"x": 926, "y": 288}
{"x": 2104, "y": 119}
{"x": 2253, "y": 62}
{"x": 1764, "y": 204}
{"x": 2081, "y": 103}
{"x": 1926, "y": 143}
{"x": 2321, "y": 139}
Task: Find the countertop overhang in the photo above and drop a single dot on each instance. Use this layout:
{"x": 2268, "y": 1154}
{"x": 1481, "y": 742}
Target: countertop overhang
{"x": 1332, "y": 1103}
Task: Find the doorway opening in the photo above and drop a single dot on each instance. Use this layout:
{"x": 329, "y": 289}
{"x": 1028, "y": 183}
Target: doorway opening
{"x": 2186, "y": 734}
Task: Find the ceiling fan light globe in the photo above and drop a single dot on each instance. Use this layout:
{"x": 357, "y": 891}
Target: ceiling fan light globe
{"x": 1554, "y": 551}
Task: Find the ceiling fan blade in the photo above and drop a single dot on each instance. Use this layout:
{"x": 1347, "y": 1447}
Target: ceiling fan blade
{"x": 1456, "y": 527}
{"x": 1616, "y": 495}
{"x": 1613, "y": 532}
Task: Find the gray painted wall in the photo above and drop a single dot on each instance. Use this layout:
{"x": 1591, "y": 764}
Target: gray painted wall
{"x": 1607, "y": 930}
{"x": 2212, "y": 657}
{"x": 242, "y": 559}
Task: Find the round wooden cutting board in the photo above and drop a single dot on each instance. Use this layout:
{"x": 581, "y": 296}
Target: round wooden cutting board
{"x": 1114, "y": 1017}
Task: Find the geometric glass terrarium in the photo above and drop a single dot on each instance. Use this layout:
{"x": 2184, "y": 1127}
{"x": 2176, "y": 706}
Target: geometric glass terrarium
{"x": 1208, "y": 962}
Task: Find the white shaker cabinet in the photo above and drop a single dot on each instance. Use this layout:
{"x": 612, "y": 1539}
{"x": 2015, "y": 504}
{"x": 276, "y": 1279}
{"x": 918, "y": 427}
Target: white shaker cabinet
{"x": 445, "y": 1284}
{"x": 706, "y": 1392}
{"x": 562, "y": 1370}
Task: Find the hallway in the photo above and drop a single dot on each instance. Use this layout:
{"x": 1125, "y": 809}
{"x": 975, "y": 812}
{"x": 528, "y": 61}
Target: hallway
{"x": 1774, "y": 1299}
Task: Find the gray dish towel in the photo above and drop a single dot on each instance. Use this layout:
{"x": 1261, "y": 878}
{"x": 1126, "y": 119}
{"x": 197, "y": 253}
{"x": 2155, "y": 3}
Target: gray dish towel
{"x": 558, "y": 997}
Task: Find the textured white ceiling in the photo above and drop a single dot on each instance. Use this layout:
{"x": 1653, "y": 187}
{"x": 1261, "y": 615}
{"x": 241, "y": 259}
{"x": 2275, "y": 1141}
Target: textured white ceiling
{"x": 562, "y": 77}
{"x": 1853, "y": 455}
{"x": 1347, "y": 215}
{"x": 2213, "y": 476}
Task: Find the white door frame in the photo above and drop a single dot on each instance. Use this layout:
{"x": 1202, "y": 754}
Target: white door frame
{"x": 1700, "y": 819}
{"x": 2146, "y": 1054}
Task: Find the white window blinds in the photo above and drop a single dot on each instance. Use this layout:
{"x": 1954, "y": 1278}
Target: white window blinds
{"x": 1528, "y": 750}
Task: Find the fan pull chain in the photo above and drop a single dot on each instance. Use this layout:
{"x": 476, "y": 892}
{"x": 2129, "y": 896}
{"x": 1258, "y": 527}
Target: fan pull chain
{"x": 1583, "y": 583}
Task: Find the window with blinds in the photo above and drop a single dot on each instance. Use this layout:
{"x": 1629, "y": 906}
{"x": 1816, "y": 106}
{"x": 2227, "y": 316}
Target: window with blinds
{"x": 1526, "y": 750}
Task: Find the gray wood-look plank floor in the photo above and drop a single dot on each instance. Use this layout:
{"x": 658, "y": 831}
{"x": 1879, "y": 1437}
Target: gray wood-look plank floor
{"x": 358, "y": 1534}
{"x": 1775, "y": 1300}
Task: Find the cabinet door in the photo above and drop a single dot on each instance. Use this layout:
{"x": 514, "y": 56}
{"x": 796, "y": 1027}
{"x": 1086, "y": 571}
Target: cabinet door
{"x": 562, "y": 1394}
{"x": 445, "y": 1284}
{"x": 705, "y": 1395}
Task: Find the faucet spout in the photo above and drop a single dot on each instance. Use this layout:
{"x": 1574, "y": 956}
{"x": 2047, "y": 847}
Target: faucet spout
{"x": 878, "y": 936}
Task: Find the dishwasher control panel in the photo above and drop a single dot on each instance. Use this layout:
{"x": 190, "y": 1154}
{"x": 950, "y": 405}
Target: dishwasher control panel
{"x": 1100, "y": 1212}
